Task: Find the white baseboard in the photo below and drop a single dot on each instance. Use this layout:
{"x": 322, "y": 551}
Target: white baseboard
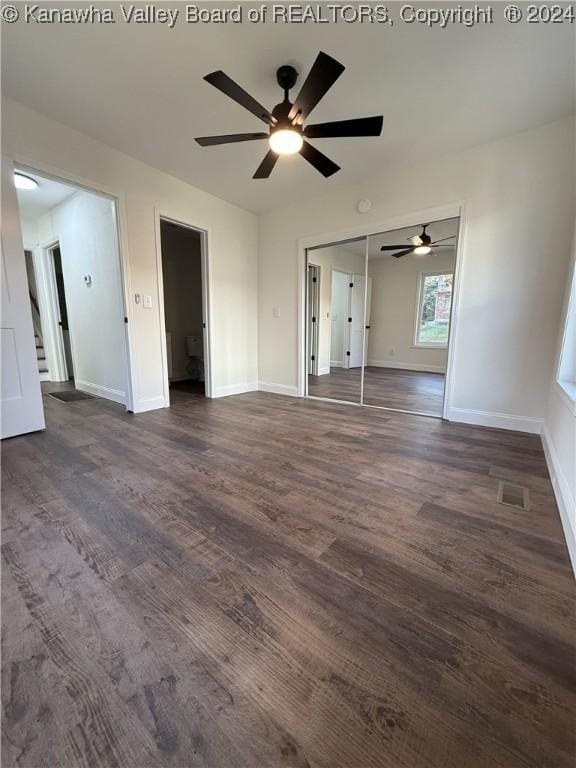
{"x": 45, "y": 376}
{"x": 336, "y": 364}
{"x": 149, "y": 404}
{"x": 278, "y": 389}
{"x": 564, "y": 497}
{"x": 100, "y": 391}
{"x": 498, "y": 420}
{"x": 407, "y": 366}
{"x": 235, "y": 389}
{"x": 323, "y": 371}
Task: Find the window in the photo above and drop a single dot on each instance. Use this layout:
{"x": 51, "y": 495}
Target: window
{"x": 434, "y": 304}
{"x": 567, "y": 367}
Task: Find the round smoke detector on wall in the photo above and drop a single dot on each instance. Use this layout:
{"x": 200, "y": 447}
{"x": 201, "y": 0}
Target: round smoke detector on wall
{"x": 364, "y": 205}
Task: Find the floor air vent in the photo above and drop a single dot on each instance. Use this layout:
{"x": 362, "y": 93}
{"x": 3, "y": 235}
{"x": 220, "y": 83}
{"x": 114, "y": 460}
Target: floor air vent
{"x": 513, "y": 495}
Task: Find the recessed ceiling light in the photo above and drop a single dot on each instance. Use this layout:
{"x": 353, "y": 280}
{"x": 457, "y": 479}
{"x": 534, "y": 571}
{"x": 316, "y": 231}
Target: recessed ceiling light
{"x": 24, "y": 182}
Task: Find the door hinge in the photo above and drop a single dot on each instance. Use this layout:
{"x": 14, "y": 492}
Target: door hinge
{"x": 351, "y": 285}
{"x": 312, "y": 358}
{"x": 313, "y": 319}
{"x": 203, "y": 325}
{"x": 314, "y": 279}
{"x": 349, "y": 319}
{"x": 125, "y": 319}
{"x": 347, "y": 354}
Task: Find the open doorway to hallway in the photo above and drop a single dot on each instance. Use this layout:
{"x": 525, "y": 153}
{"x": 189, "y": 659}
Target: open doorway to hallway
{"x": 182, "y": 252}
{"x": 75, "y": 285}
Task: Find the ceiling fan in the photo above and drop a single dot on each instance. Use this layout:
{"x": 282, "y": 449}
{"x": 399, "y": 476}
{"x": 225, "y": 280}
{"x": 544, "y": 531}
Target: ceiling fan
{"x": 422, "y": 244}
{"x": 286, "y": 132}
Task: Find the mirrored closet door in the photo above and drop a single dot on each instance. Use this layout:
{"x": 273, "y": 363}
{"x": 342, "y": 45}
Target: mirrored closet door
{"x": 411, "y": 271}
{"x": 379, "y": 312}
{"x": 335, "y": 296}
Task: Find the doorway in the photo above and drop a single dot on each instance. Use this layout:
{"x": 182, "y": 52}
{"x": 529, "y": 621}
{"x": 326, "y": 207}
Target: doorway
{"x": 63, "y": 339}
{"x": 184, "y": 289}
{"x": 390, "y": 300}
{"x": 76, "y": 276}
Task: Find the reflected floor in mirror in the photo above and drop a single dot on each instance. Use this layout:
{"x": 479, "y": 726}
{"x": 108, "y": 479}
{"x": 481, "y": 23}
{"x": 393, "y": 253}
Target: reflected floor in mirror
{"x": 417, "y": 391}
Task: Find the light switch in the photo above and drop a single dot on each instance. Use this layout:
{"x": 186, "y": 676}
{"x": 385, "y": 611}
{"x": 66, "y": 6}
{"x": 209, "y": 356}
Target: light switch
{"x": 276, "y": 311}
{"x": 147, "y": 302}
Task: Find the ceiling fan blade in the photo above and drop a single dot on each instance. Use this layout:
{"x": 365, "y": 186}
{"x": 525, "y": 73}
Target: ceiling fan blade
{"x": 324, "y": 73}
{"x": 442, "y": 245}
{"x": 225, "y": 84}
{"x": 266, "y": 166}
{"x": 392, "y": 247}
{"x": 318, "y": 160}
{"x": 362, "y": 126}
{"x": 403, "y": 253}
{"x": 443, "y": 239}
{"x": 231, "y": 138}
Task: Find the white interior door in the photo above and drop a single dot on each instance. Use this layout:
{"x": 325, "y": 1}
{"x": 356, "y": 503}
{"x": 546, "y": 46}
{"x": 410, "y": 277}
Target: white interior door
{"x": 357, "y": 323}
{"x": 20, "y": 394}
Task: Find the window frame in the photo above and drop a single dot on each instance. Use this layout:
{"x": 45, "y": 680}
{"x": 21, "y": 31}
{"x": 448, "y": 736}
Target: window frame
{"x": 419, "y": 306}
{"x": 566, "y": 379}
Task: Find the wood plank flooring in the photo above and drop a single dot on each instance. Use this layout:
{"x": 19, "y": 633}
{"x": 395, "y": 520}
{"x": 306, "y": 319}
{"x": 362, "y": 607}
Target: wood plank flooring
{"x": 416, "y": 391}
{"x": 266, "y": 582}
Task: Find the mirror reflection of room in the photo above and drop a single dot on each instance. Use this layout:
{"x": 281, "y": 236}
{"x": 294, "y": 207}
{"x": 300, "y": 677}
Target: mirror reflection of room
{"x": 335, "y": 319}
{"x": 408, "y": 316}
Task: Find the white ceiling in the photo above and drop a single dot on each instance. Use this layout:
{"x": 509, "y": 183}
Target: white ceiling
{"x": 139, "y": 88}
{"x": 34, "y": 203}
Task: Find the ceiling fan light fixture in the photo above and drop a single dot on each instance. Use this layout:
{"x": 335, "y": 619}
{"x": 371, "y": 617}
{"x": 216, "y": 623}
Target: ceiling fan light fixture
{"x": 422, "y": 250}
{"x": 286, "y": 141}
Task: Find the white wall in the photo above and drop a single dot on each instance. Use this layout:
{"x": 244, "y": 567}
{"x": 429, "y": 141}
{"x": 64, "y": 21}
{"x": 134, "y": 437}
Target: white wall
{"x": 29, "y": 229}
{"x": 559, "y": 433}
{"x": 85, "y": 226}
{"x": 518, "y": 195}
{"x": 329, "y": 259}
{"x": 393, "y": 317}
{"x": 182, "y": 273}
{"x": 41, "y": 143}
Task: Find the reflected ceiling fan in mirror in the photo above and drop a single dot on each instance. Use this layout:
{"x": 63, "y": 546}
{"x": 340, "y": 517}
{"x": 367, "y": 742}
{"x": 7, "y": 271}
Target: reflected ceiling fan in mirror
{"x": 286, "y": 131}
{"x": 422, "y": 244}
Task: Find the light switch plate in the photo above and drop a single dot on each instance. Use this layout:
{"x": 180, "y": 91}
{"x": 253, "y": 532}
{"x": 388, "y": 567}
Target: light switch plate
{"x": 148, "y": 302}
{"x": 276, "y": 311}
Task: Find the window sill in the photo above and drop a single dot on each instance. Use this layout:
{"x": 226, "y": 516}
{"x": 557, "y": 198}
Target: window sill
{"x": 568, "y": 389}
{"x": 429, "y": 346}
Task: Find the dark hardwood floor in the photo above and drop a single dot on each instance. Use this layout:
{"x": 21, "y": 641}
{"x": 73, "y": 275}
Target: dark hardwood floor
{"x": 262, "y": 582}
{"x": 184, "y": 391}
{"x": 416, "y": 391}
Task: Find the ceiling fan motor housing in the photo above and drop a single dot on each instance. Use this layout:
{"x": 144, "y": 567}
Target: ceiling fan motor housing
{"x": 286, "y": 77}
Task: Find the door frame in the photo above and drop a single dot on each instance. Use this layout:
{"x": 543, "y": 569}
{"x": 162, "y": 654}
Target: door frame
{"x": 206, "y": 302}
{"x": 41, "y": 169}
{"x": 456, "y": 209}
{"x": 48, "y": 300}
{"x": 315, "y": 294}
